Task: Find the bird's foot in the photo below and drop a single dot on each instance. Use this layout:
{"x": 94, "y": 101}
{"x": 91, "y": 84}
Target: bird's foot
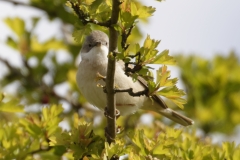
{"x": 100, "y": 77}
{"x": 106, "y": 113}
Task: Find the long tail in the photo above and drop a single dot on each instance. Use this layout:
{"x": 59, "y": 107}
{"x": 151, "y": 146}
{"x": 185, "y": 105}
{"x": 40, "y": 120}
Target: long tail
{"x": 176, "y": 117}
{"x": 159, "y": 106}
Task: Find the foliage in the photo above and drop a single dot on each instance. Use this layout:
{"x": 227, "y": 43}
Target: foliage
{"x": 147, "y": 54}
{"x": 213, "y": 88}
{"x": 38, "y": 135}
{"x": 34, "y": 88}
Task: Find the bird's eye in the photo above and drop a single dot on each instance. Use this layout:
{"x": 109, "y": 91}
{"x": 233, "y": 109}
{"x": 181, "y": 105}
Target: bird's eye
{"x": 89, "y": 45}
{"x": 106, "y": 43}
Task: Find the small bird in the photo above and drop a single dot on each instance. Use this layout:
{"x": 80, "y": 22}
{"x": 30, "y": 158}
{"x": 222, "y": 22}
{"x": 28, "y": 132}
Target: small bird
{"x": 94, "y": 60}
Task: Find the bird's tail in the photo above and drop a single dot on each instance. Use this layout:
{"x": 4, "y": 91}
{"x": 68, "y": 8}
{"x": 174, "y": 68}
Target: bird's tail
{"x": 158, "y": 105}
{"x": 176, "y": 117}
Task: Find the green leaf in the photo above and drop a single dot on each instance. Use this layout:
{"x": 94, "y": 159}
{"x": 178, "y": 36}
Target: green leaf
{"x": 17, "y": 25}
{"x": 142, "y": 12}
{"x": 11, "y": 42}
{"x": 32, "y": 125}
{"x": 127, "y": 19}
{"x": 164, "y": 58}
{"x": 163, "y": 77}
{"x": 89, "y": 2}
{"x": 149, "y": 51}
{"x": 35, "y": 145}
{"x": 160, "y": 149}
{"x": 145, "y": 12}
{"x": 145, "y": 145}
{"x": 80, "y": 33}
{"x": 60, "y": 139}
{"x": 51, "y": 115}
{"x": 213, "y": 86}
{"x": 81, "y": 139}
{"x": 151, "y": 87}
{"x": 52, "y": 44}
{"x": 229, "y": 149}
{"x": 11, "y": 106}
{"x": 174, "y": 94}
{"x": 113, "y": 149}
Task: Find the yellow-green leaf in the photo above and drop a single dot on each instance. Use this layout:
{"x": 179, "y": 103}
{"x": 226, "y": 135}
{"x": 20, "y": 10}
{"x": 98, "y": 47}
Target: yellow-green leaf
{"x": 11, "y": 106}
{"x": 174, "y": 94}
{"x": 17, "y": 25}
{"x": 164, "y": 58}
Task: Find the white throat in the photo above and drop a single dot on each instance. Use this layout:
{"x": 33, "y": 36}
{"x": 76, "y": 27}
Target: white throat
{"x": 97, "y": 54}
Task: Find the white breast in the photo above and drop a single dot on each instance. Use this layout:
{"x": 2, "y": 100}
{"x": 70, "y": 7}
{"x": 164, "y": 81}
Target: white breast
{"x": 92, "y": 64}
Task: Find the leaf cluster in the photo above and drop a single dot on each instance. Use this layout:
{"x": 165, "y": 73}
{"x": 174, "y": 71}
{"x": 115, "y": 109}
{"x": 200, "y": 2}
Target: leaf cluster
{"x": 21, "y": 138}
{"x": 212, "y": 86}
{"x": 213, "y": 91}
{"x": 38, "y": 135}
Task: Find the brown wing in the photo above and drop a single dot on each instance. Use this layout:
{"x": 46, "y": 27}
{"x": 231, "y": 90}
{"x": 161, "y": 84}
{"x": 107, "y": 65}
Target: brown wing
{"x": 161, "y": 106}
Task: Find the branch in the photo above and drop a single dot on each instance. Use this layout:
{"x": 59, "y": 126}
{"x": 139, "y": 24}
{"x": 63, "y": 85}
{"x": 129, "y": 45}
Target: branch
{"x": 83, "y": 17}
{"x": 133, "y": 94}
{"x": 125, "y": 36}
{"x": 111, "y": 99}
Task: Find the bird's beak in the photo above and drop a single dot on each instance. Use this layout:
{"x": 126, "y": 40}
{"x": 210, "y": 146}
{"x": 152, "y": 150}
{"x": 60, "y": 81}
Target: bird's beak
{"x": 98, "y": 44}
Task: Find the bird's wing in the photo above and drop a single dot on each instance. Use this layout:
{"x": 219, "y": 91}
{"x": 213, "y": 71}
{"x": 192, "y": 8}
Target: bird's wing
{"x": 162, "y": 108}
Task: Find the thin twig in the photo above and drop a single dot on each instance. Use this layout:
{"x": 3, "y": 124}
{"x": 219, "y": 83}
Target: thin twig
{"x": 136, "y": 66}
{"x": 133, "y": 94}
{"x": 125, "y": 36}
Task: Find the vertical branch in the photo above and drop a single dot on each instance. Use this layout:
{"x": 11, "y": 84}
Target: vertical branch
{"x": 111, "y": 100}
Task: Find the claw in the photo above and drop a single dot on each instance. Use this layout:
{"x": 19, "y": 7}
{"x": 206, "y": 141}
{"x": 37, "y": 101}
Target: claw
{"x": 100, "y": 77}
{"x": 107, "y": 115}
{"x": 118, "y": 129}
{"x": 117, "y": 113}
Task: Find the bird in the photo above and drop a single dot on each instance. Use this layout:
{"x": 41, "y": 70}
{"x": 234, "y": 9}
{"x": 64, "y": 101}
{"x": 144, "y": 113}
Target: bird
{"x": 94, "y": 61}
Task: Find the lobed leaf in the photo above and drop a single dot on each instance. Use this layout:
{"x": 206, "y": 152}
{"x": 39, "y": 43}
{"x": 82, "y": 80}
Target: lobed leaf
{"x": 164, "y": 58}
{"x": 174, "y": 94}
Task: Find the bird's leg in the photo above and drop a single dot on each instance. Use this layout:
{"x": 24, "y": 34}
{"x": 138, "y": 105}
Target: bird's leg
{"x": 100, "y": 77}
{"x": 107, "y": 115}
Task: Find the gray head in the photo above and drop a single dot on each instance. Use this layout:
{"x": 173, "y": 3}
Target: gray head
{"x": 95, "y": 38}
